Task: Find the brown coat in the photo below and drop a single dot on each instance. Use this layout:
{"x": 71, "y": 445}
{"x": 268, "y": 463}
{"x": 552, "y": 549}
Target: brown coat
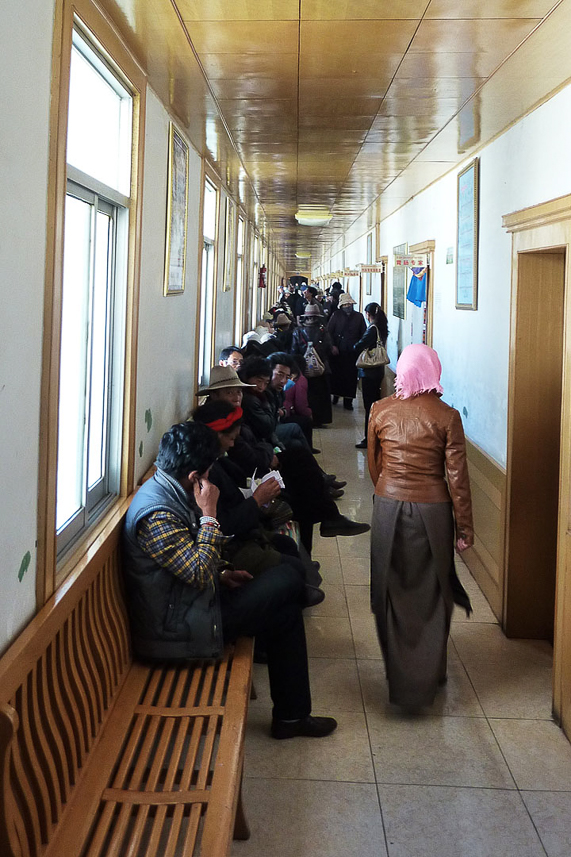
{"x": 414, "y": 445}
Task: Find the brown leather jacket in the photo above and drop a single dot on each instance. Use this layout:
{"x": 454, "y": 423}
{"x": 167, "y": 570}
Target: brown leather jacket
{"x": 413, "y": 446}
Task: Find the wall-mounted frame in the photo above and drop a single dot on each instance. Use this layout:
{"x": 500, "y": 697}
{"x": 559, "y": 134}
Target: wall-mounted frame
{"x": 229, "y": 247}
{"x": 467, "y": 237}
{"x": 399, "y": 283}
{"x": 177, "y": 213}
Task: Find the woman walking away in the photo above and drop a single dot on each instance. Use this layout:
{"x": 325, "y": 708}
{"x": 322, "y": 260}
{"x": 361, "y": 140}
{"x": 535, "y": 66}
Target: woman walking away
{"x": 371, "y": 379}
{"x": 415, "y": 440}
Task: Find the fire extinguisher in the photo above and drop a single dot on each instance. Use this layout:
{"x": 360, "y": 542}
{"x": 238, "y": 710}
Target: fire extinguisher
{"x": 262, "y": 278}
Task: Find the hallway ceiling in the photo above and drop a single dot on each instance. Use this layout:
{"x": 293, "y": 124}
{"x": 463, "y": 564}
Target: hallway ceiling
{"x": 355, "y": 105}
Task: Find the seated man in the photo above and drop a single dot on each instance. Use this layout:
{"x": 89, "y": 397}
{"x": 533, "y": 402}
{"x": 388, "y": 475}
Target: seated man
{"x": 176, "y": 589}
{"x": 231, "y": 356}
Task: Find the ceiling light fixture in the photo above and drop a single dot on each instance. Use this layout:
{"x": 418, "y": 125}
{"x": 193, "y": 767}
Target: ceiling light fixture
{"x": 302, "y": 254}
{"x": 313, "y": 215}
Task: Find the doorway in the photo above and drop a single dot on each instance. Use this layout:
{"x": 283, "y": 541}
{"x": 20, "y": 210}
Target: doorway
{"x": 534, "y": 429}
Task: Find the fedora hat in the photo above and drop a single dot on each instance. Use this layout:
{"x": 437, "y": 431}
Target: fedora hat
{"x": 281, "y": 318}
{"x": 220, "y": 378}
{"x": 346, "y": 300}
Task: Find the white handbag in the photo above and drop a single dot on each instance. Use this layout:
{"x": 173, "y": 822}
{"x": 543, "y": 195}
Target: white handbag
{"x": 373, "y": 358}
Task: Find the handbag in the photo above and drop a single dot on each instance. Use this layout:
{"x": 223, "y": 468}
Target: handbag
{"x": 314, "y": 364}
{"x": 373, "y": 358}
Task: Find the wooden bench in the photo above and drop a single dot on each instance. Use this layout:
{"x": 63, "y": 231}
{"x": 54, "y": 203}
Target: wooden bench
{"x": 102, "y": 756}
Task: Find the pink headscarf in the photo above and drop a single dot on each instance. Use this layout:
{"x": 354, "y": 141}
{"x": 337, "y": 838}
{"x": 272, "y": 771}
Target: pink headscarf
{"x": 418, "y": 371}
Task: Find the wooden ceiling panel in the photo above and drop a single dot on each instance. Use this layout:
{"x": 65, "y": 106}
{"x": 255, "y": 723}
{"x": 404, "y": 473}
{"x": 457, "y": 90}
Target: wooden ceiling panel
{"x": 239, "y": 10}
{"x": 349, "y": 63}
{"x": 344, "y": 38}
{"x": 317, "y": 106}
{"x": 344, "y": 87}
{"x": 255, "y": 87}
{"x": 495, "y": 37}
{"x": 277, "y": 66}
{"x": 241, "y": 37}
{"x": 347, "y": 10}
{"x": 489, "y": 8}
{"x": 435, "y": 65}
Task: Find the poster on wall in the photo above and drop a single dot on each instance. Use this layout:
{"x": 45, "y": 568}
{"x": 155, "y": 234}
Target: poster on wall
{"x": 399, "y": 283}
{"x": 467, "y": 237}
{"x": 177, "y": 214}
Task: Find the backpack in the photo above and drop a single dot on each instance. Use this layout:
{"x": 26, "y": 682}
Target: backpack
{"x": 314, "y": 364}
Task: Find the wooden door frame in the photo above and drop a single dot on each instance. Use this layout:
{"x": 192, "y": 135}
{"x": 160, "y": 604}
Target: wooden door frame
{"x": 541, "y": 228}
{"x": 428, "y": 247}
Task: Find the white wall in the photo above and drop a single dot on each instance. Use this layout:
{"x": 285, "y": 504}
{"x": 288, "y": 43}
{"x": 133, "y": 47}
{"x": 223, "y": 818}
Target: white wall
{"x": 166, "y": 356}
{"x": 25, "y": 70}
{"x": 527, "y": 165}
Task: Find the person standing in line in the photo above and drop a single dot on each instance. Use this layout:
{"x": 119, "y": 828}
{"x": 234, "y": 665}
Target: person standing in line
{"x": 371, "y": 379}
{"x": 415, "y": 443}
{"x": 312, "y": 332}
{"x": 346, "y": 327}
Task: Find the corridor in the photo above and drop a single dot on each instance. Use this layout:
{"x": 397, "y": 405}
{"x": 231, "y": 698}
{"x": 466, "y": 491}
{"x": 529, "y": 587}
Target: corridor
{"x": 484, "y": 773}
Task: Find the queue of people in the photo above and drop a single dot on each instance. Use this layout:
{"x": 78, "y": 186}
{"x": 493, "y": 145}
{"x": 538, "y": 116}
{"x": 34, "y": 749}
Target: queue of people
{"x": 212, "y": 553}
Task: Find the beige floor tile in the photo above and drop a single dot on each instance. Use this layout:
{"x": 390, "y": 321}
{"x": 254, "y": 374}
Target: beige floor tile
{"x": 513, "y": 678}
{"x": 537, "y": 752}
{"x": 355, "y": 546}
{"x": 442, "y": 751}
{"x": 356, "y": 570}
{"x": 551, "y": 814}
{"x": 302, "y": 821}
{"x": 323, "y": 547}
{"x": 334, "y": 685}
{"x": 343, "y": 756}
{"x": 457, "y": 697}
{"x": 428, "y": 821}
{"x": 335, "y": 603}
{"x": 358, "y": 600}
{"x": 365, "y": 636}
{"x": 329, "y": 637}
{"x": 330, "y": 568}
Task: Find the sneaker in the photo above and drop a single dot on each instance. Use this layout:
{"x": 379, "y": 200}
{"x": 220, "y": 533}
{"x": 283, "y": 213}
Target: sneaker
{"x": 362, "y": 444}
{"x": 315, "y": 451}
{"x": 309, "y": 727}
{"x": 342, "y": 526}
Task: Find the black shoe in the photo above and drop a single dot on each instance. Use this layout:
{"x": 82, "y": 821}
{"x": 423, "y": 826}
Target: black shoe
{"x": 342, "y": 526}
{"x": 313, "y": 596}
{"x": 348, "y": 404}
{"x": 315, "y": 565}
{"x": 332, "y": 482}
{"x": 309, "y": 727}
{"x": 362, "y": 444}
{"x": 315, "y": 451}
{"x": 335, "y": 399}
{"x": 335, "y": 493}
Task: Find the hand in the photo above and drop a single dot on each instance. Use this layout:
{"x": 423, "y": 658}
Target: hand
{"x": 267, "y": 491}
{"x": 234, "y": 577}
{"x": 334, "y": 350}
{"x": 462, "y": 545}
{"x": 206, "y": 495}
{"x": 275, "y": 463}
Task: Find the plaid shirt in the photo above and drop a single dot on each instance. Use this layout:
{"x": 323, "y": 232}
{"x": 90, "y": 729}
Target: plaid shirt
{"x": 169, "y": 543}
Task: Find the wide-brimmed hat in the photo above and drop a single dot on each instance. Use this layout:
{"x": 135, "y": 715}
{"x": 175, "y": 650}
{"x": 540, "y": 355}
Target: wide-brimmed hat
{"x": 281, "y": 318}
{"x": 220, "y": 378}
{"x": 311, "y": 310}
{"x": 346, "y": 300}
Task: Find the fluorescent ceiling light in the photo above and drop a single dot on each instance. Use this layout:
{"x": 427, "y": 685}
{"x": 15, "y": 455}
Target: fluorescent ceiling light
{"x": 316, "y": 215}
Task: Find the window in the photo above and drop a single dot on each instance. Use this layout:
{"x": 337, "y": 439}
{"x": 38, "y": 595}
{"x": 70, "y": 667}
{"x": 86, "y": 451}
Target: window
{"x": 92, "y": 347}
{"x": 255, "y": 276}
{"x": 240, "y": 244}
{"x": 207, "y": 293}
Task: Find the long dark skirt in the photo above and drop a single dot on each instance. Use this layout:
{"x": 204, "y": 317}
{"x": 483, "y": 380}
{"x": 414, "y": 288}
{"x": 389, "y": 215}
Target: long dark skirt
{"x": 319, "y": 399}
{"x": 411, "y": 556}
{"x": 344, "y": 376}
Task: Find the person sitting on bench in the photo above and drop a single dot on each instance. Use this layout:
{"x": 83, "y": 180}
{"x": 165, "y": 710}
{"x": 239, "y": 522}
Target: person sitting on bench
{"x": 177, "y": 591}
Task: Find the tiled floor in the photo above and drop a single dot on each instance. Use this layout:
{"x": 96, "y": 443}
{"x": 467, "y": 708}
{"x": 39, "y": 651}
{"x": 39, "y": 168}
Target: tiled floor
{"x": 484, "y": 773}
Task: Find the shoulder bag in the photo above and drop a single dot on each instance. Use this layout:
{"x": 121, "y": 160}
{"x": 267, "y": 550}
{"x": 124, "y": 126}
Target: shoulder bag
{"x": 373, "y": 358}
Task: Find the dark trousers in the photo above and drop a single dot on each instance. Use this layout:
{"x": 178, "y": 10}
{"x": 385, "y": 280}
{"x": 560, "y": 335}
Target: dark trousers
{"x": 371, "y": 390}
{"x": 269, "y": 608}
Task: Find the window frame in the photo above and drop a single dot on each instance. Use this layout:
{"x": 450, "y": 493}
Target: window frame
{"x": 96, "y": 29}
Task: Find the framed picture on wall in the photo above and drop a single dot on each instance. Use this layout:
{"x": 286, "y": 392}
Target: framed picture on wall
{"x": 177, "y": 213}
{"x": 229, "y": 248}
{"x": 467, "y": 237}
{"x": 399, "y": 284}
